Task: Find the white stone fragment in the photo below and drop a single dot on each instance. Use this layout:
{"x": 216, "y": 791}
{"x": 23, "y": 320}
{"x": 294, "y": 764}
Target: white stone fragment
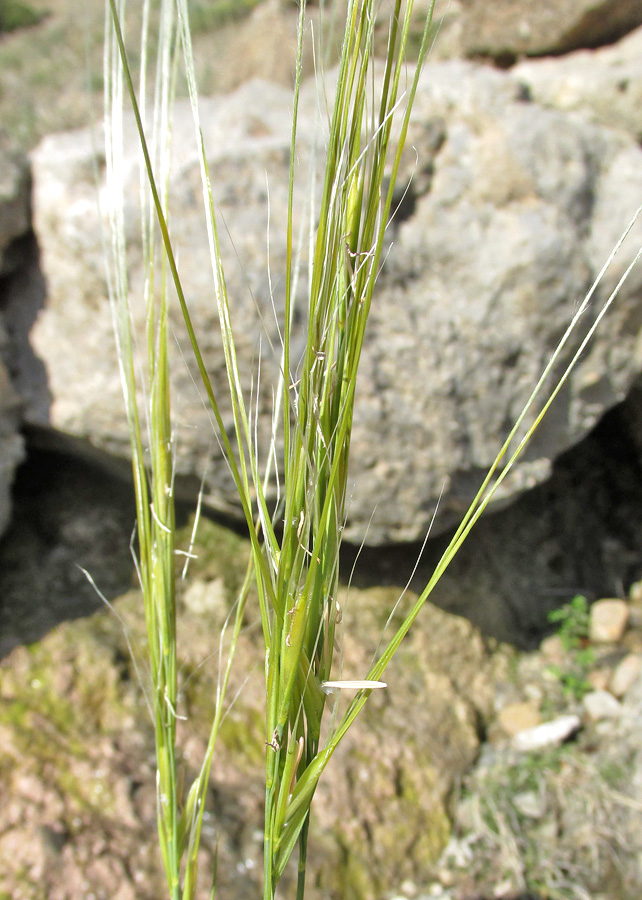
{"x": 549, "y": 734}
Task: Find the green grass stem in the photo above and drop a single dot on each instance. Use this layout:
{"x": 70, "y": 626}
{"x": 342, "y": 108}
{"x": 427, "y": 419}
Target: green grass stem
{"x": 295, "y": 547}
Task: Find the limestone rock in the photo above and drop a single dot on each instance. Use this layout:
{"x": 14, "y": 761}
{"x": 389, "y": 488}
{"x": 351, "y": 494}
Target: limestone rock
{"x": 626, "y": 673}
{"x": 549, "y": 734}
{"x": 508, "y": 29}
{"x": 608, "y": 620}
{"x": 516, "y": 717}
{"x": 599, "y": 679}
{"x": 510, "y": 212}
{"x": 600, "y": 705}
{"x": 76, "y": 752}
{"x": 635, "y": 594}
{"x": 553, "y": 649}
{"x": 606, "y": 83}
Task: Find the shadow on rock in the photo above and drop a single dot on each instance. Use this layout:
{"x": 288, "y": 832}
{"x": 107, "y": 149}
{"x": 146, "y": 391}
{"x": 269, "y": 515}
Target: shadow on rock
{"x": 68, "y": 514}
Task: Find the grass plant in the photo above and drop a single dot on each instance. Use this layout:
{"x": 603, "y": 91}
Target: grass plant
{"x": 295, "y": 544}
{"x": 590, "y": 835}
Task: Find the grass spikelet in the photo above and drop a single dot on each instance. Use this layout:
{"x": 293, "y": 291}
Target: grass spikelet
{"x": 295, "y": 547}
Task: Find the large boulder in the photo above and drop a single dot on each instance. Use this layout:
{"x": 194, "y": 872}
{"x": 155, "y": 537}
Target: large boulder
{"x": 505, "y": 29}
{"x": 77, "y": 764}
{"x": 510, "y": 211}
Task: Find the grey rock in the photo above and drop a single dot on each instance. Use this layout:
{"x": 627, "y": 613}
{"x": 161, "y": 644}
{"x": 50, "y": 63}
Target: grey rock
{"x": 510, "y": 212}
{"x": 601, "y": 705}
{"x": 606, "y": 83}
{"x": 507, "y": 29}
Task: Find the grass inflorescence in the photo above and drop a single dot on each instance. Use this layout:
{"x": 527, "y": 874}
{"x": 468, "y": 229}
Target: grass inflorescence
{"x": 295, "y": 544}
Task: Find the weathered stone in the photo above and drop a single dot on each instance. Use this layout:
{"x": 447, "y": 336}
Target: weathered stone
{"x": 626, "y": 674}
{"x": 516, "y": 717}
{"x": 599, "y": 679}
{"x": 635, "y": 616}
{"x": 507, "y": 29}
{"x": 601, "y": 705}
{"x": 605, "y": 83}
{"x": 608, "y": 620}
{"x": 553, "y": 649}
{"x": 511, "y": 212}
{"x": 635, "y": 593}
{"x": 549, "y": 734}
{"x": 205, "y": 596}
{"x": 632, "y": 641}
{"x": 530, "y": 804}
{"x": 76, "y": 757}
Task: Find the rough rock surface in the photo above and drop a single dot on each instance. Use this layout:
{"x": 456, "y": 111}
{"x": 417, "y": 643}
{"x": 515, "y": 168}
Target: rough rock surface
{"x": 606, "y": 82}
{"x": 76, "y": 757}
{"x": 76, "y": 761}
{"x": 506, "y": 29}
{"x": 510, "y": 212}
{"x": 581, "y": 532}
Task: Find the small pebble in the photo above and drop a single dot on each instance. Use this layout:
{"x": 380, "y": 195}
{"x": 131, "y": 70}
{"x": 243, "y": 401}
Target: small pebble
{"x": 635, "y": 593}
{"x": 549, "y": 734}
{"x": 635, "y": 616}
{"x": 632, "y": 641}
{"x": 530, "y": 804}
{"x": 608, "y": 620}
{"x": 553, "y": 649}
{"x": 516, "y": 717}
{"x": 626, "y": 674}
{"x": 599, "y": 679}
{"x": 601, "y": 705}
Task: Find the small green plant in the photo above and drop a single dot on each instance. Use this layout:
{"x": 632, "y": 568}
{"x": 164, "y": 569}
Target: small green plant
{"x": 573, "y": 681}
{"x": 573, "y": 622}
{"x": 573, "y": 629}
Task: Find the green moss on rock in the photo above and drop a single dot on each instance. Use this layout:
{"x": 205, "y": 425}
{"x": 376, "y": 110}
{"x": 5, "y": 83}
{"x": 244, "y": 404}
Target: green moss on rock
{"x": 218, "y": 551}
